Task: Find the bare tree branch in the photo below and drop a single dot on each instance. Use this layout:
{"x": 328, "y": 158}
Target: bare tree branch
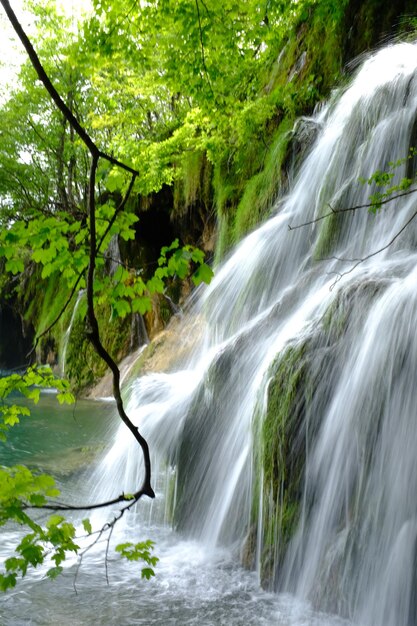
{"x": 94, "y": 336}
{"x": 372, "y": 254}
{"x": 117, "y": 211}
{"x": 350, "y": 209}
{"x": 132, "y": 499}
{"x": 203, "y": 56}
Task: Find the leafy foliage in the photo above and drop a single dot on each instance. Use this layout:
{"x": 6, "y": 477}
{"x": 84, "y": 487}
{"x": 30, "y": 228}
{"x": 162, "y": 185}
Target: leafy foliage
{"x": 21, "y": 488}
{"x": 127, "y": 292}
{"x": 193, "y": 75}
{"x": 140, "y": 551}
{"x": 54, "y": 540}
{"x": 386, "y": 179}
{"x": 29, "y": 385}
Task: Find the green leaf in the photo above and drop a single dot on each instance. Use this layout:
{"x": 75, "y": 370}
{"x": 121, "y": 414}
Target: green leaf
{"x": 115, "y": 180}
{"x": 147, "y": 573}
{"x": 54, "y": 572}
{"x": 87, "y": 526}
{"x": 122, "y": 307}
{"x": 15, "y": 266}
{"x": 54, "y": 520}
{"x": 141, "y": 305}
{"x": 203, "y": 274}
{"x": 155, "y": 285}
{"x": 65, "y": 397}
{"x": 7, "y": 581}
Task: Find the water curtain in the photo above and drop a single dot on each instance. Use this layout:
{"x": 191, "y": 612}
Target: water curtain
{"x": 291, "y": 316}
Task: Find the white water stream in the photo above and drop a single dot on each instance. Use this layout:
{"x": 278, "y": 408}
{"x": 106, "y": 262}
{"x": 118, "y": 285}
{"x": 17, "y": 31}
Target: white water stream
{"x": 355, "y": 547}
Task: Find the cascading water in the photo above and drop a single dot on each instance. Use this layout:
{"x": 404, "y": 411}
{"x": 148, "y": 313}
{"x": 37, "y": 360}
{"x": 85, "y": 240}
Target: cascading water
{"x": 355, "y": 547}
{"x": 67, "y": 335}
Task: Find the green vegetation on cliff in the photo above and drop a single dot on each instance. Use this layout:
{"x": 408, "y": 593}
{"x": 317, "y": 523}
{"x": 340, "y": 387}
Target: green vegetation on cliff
{"x": 200, "y": 97}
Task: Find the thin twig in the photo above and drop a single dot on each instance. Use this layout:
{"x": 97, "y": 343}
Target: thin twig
{"x": 106, "y": 554}
{"x": 83, "y": 552}
{"x": 349, "y": 209}
{"x": 203, "y": 56}
{"x": 117, "y": 211}
{"x": 372, "y": 254}
{"x": 61, "y": 506}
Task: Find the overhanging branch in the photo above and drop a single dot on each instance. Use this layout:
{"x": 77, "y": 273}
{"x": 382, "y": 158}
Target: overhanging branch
{"x": 351, "y": 209}
{"x": 93, "y": 329}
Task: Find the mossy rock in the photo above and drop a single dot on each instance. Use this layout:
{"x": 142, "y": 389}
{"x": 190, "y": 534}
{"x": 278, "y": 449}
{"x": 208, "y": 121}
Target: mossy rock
{"x": 300, "y": 389}
{"x": 43, "y": 300}
{"x": 83, "y": 366}
{"x": 260, "y": 191}
{"x": 282, "y": 454}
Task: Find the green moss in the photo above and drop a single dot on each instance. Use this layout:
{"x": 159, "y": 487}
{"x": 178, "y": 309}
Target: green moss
{"x": 83, "y": 365}
{"x": 53, "y": 301}
{"x": 336, "y": 318}
{"x": 192, "y": 178}
{"x": 225, "y": 202}
{"x": 261, "y": 189}
{"x": 283, "y": 411}
{"x": 192, "y": 185}
{"x": 224, "y": 189}
{"x": 280, "y": 457}
{"x": 328, "y": 238}
{"x": 42, "y": 301}
{"x": 249, "y": 178}
{"x": 299, "y": 391}
{"x": 244, "y": 191}
{"x": 224, "y": 239}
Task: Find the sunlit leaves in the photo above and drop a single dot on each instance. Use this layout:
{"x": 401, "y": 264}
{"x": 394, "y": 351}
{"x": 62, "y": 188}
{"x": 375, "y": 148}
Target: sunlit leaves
{"x": 141, "y": 551}
{"x": 15, "y": 266}
{"x": 54, "y": 572}
{"x": 53, "y": 541}
{"x": 29, "y": 385}
{"x": 184, "y": 76}
{"x": 178, "y": 261}
{"x": 390, "y": 180}
{"x": 21, "y": 489}
{"x": 19, "y": 483}
{"x": 203, "y": 274}
{"x": 116, "y": 180}
{"x": 87, "y": 526}
{"x": 127, "y": 292}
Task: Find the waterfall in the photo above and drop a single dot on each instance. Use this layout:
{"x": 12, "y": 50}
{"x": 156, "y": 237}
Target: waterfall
{"x": 353, "y": 549}
{"x": 67, "y": 335}
{"x": 113, "y": 255}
